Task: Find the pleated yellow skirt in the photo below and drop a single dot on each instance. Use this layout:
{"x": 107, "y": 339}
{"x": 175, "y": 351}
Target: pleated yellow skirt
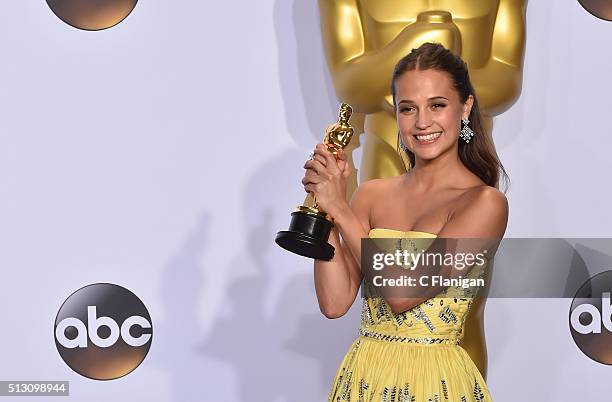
{"x": 388, "y": 371}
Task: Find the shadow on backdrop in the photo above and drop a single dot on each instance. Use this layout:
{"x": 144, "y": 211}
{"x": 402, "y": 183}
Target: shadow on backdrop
{"x": 273, "y": 336}
{"x": 179, "y": 333}
{"x": 307, "y": 91}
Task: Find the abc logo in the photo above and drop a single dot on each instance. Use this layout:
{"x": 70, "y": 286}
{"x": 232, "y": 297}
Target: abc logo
{"x": 92, "y": 15}
{"x": 600, "y": 9}
{"x": 590, "y": 318}
{"x": 103, "y": 331}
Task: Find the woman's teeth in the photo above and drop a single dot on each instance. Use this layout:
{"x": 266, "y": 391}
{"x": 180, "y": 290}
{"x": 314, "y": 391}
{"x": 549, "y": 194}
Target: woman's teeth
{"x": 429, "y": 137}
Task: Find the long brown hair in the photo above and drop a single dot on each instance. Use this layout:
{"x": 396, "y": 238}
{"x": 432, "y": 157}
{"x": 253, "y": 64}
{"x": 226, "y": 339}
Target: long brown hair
{"x": 479, "y": 155}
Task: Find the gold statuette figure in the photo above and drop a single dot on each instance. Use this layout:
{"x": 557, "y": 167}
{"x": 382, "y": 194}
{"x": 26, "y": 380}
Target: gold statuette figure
{"x": 310, "y": 226}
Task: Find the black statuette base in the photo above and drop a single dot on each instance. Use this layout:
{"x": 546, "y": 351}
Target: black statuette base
{"x": 307, "y": 236}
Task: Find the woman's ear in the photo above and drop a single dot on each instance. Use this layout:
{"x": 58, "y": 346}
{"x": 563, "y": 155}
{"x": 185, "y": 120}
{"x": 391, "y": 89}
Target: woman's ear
{"x": 467, "y": 107}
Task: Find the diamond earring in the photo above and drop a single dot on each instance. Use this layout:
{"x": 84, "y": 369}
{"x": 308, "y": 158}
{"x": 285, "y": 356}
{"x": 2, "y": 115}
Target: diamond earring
{"x": 466, "y": 132}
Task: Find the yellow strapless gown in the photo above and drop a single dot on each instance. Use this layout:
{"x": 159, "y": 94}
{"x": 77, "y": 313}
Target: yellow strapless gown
{"x": 414, "y": 356}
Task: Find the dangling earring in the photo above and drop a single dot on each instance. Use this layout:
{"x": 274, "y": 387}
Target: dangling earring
{"x": 403, "y": 147}
{"x": 466, "y": 132}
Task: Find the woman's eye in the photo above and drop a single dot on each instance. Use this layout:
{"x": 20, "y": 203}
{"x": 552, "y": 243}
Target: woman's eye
{"x": 406, "y": 109}
{"x": 438, "y": 106}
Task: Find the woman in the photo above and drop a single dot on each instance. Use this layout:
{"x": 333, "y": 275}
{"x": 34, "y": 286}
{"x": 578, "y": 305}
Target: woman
{"x": 408, "y": 348}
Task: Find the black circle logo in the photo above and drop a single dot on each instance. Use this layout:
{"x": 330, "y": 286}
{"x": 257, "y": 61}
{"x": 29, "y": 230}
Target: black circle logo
{"x": 92, "y": 15}
{"x": 599, "y": 8}
{"x": 590, "y": 318}
{"x": 103, "y": 331}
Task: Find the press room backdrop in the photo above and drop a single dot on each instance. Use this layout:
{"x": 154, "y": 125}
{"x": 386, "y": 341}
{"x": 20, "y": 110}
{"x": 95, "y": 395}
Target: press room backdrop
{"x": 165, "y": 153}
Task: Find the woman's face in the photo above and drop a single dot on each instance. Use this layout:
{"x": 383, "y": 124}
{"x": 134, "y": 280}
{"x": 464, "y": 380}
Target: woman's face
{"x": 429, "y": 112}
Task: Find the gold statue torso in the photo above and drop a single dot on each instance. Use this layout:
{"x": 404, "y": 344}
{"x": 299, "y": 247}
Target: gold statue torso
{"x": 364, "y": 39}
{"x": 339, "y": 134}
{"x": 474, "y": 18}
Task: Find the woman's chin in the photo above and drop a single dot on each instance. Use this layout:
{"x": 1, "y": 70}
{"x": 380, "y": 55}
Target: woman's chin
{"x": 428, "y": 155}
{"x": 433, "y": 151}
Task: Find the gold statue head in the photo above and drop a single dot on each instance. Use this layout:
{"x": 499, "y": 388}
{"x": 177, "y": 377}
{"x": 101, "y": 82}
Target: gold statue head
{"x": 479, "y": 154}
{"x": 345, "y": 112}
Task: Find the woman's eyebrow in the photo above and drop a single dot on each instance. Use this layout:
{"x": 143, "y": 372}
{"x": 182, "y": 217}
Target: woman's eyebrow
{"x": 430, "y": 99}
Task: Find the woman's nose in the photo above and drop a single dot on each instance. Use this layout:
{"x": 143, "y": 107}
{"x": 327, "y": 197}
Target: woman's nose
{"x": 423, "y": 119}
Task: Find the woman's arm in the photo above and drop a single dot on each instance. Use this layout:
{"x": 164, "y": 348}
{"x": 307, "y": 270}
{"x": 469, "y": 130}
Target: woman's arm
{"x": 482, "y": 213}
{"x": 337, "y": 281}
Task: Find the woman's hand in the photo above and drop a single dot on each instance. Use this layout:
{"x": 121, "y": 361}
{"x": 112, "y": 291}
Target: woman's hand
{"x": 327, "y": 178}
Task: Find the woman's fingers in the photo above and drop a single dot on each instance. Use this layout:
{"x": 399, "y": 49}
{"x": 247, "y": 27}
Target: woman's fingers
{"x": 319, "y": 158}
{"x": 330, "y": 160}
{"x": 316, "y": 157}
{"x": 344, "y": 165}
{"x": 347, "y": 170}
{"x": 324, "y": 168}
{"x": 311, "y": 183}
{"x": 310, "y": 188}
{"x": 312, "y": 178}
{"x": 315, "y": 165}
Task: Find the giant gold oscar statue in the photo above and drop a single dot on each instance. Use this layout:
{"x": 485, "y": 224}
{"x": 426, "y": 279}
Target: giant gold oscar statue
{"x": 364, "y": 39}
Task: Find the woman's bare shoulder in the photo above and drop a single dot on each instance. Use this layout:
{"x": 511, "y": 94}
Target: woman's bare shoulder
{"x": 481, "y": 195}
{"x": 374, "y": 188}
{"x": 481, "y": 211}
{"x": 484, "y": 202}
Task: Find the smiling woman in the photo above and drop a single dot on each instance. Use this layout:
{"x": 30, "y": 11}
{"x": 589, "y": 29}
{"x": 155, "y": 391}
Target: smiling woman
{"x": 444, "y": 107}
{"x": 409, "y": 347}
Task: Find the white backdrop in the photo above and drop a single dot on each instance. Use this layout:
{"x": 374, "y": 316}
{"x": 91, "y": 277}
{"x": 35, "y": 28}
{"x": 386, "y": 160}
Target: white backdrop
{"x": 165, "y": 153}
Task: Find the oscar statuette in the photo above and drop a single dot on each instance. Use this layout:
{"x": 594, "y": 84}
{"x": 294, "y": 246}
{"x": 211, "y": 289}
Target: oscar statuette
{"x": 310, "y": 226}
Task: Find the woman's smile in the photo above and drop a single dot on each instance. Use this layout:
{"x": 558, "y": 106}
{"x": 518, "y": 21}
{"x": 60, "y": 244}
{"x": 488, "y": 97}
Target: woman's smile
{"x": 427, "y": 138}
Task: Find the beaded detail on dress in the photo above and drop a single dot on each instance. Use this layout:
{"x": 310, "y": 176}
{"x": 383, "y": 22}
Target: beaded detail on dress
{"x": 413, "y": 356}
